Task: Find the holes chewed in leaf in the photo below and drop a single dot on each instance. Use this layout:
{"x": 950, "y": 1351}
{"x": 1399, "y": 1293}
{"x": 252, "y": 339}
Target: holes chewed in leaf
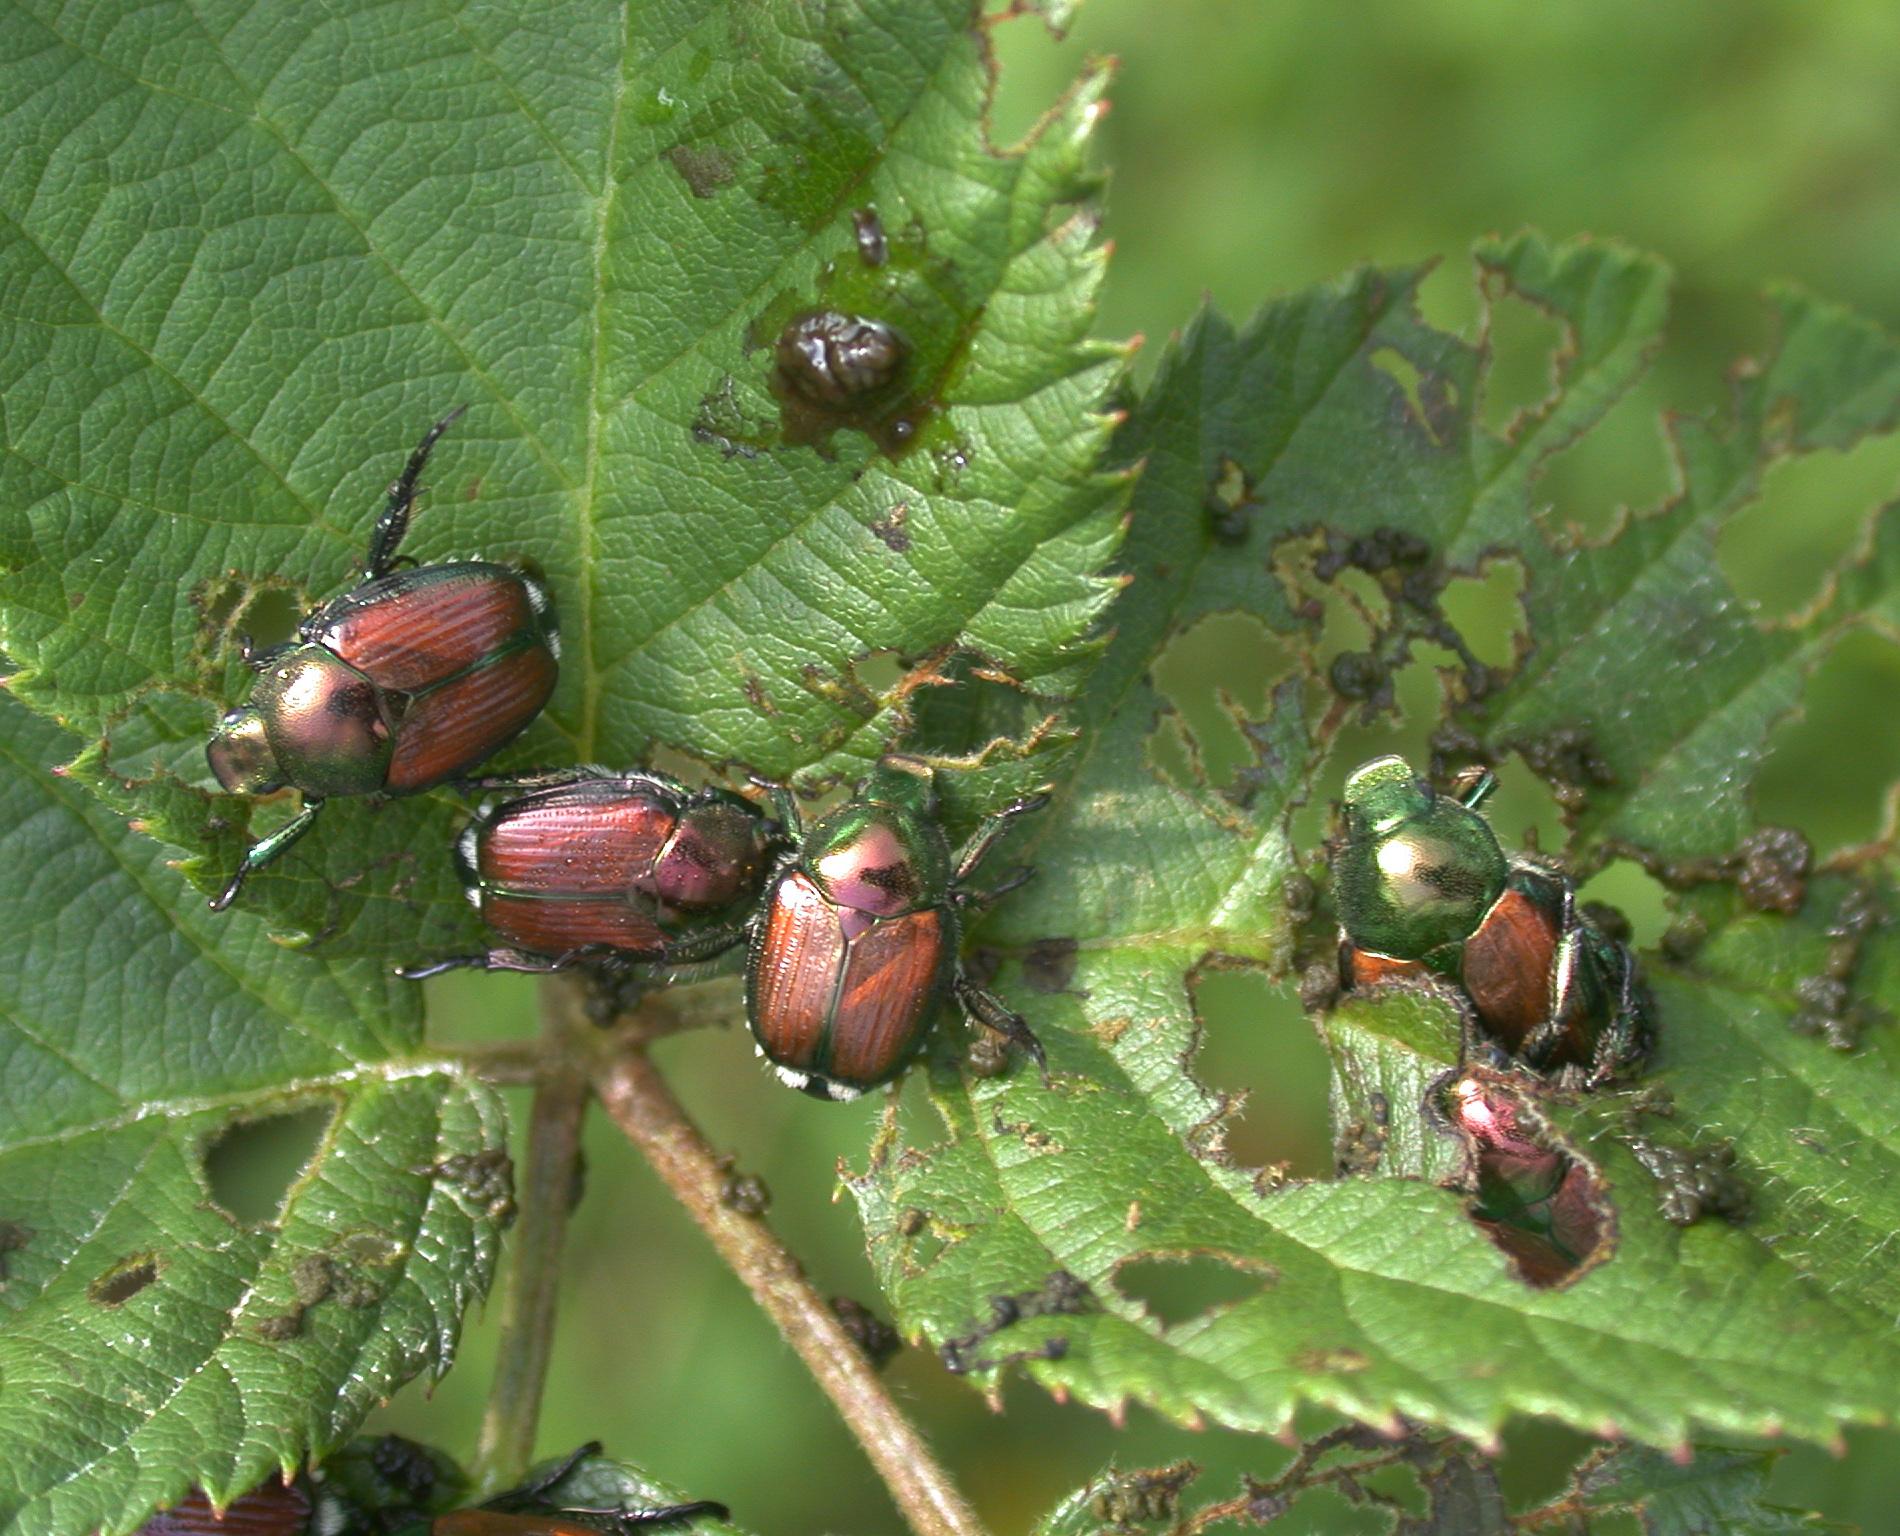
{"x": 251, "y": 1164}
{"x": 1544, "y": 1208}
{"x": 1522, "y": 341}
{"x": 1178, "y": 1287}
{"x": 1624, "y": 902}
{"x": 124, "y": 1280}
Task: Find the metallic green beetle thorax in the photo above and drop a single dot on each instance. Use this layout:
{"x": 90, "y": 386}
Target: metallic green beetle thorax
{"x": 1419, "y": 870}
{"x": 326, "y": 723}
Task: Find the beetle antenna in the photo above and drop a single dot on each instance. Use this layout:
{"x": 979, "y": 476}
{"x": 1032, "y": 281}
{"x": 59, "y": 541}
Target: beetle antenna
{"x": 386, "y": 538}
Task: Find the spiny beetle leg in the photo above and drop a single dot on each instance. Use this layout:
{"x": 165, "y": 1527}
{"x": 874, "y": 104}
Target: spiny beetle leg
{"x": 989, "y": 1010}
{"x": 556, "y": 1474}
{"x": 265, "y": 850}
{"x": 494, "y": 960}
{"x": 666, "y": 1514}
{"x": 387, "y": 536}
{"x": 975, "y": 901}
{"x": 784, "y": 805}
{"x": 991, "y": 828}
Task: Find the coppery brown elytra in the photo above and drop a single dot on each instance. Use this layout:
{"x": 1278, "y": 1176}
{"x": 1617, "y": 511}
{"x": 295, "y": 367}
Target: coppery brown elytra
{"x": 1423, "y": 888}
{"x": 406, "y": 681}
{"x": 588, "y": 866}
{"x": 278, "y": 1508}
{"x": 856, "y": 947}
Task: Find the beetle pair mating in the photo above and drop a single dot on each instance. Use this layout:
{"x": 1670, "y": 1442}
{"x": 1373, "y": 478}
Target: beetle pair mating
{"x": 1423, "y": 889}
{"x": 413, "y": 678}
{"x": 852, "y": 926}
{"x": 288, "y": 1508}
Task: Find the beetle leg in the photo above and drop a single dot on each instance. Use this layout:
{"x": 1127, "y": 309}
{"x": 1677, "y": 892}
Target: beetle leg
{"x": 784, "y": 805}
{"x": 989, "y": 1010}
{"x": 976, "y": 900}
{"x": 552, "y": 1478}
{"x": 666, "y": 1514}
{"x": 1474, "y": 787}
{"x": 388, "y": 533}
{"x": 265, "y": 850}
{"x": 990, "y": 829}
{"x": 523, "y": 783}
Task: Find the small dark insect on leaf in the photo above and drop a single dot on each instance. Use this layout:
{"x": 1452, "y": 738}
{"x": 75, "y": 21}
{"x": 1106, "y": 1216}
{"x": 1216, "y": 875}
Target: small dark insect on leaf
{"x": 833, "y": 359}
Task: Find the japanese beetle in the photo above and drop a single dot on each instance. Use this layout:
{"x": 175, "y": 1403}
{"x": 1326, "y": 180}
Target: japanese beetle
{"x": 277, "y": 1508}
{"x": 591, "y": 865}
{"x": 856, "y": 945}
{"x": 1422, "y": 887}
{"x": 272, "y": 1508}
{"x": 406, "y": 681}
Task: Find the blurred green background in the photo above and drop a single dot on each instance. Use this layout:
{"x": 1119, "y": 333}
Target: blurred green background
{"x": 1259, "y": 146}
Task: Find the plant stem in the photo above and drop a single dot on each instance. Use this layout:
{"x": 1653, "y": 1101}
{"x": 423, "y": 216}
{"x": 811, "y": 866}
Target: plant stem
{"x": 506, "y": 1443}
{"x": 639, "y": 1101}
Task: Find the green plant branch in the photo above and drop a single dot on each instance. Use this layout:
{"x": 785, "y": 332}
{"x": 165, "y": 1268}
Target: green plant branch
{"x": 505, "y": 1447}
{"x": 638, "y": 1100}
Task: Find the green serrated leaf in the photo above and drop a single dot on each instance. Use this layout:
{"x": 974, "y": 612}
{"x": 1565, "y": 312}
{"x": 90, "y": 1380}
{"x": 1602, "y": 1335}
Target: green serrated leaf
{"x": 1718, "y": 1490}
{"x": 150, "y": 1339}
{"x": 1658, "y": 745}
{"x": 596, "y": 1482}
{"x": 248, "y": 258}
{"x": 1337, "y": 414}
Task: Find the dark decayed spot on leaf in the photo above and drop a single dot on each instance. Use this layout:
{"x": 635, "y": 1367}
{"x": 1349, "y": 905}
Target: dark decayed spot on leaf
{"x": 1544, "y": 1207}
{"x": 1405, "y": 572}
{"x": 1521, "y": 340}
{"x": 13, "y": 1237}
{"x": 1230, "y": 503}
{"x": 1567, "y": 760}
{"x": 706, "y": 170}
{"x": 1060, "y": 1295}
{"x": 1143, "y": 1497}
{"x": 353, "y": 1272}
{"x": 722, "y": 422}
{"x": 890, "y": 528}
{"x": 124, "y": 1280}
{"x": 756, "y": 695}
{"x": 483, "y": 1181}
{"x": 1049, "y": 965}
{"x": 873, "y": 249}
{"x": 1693, "y": 1182}
{"x": 1178, "y": 1287}
{"x": 1828, "y": 1004}
{"x": 251, "y": 1164}
{"x": 877, "y": 1338}
{"x": 1359, "y": 1144}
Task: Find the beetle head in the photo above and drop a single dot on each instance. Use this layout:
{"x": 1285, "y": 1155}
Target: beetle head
{"x": 240, "y": 756}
